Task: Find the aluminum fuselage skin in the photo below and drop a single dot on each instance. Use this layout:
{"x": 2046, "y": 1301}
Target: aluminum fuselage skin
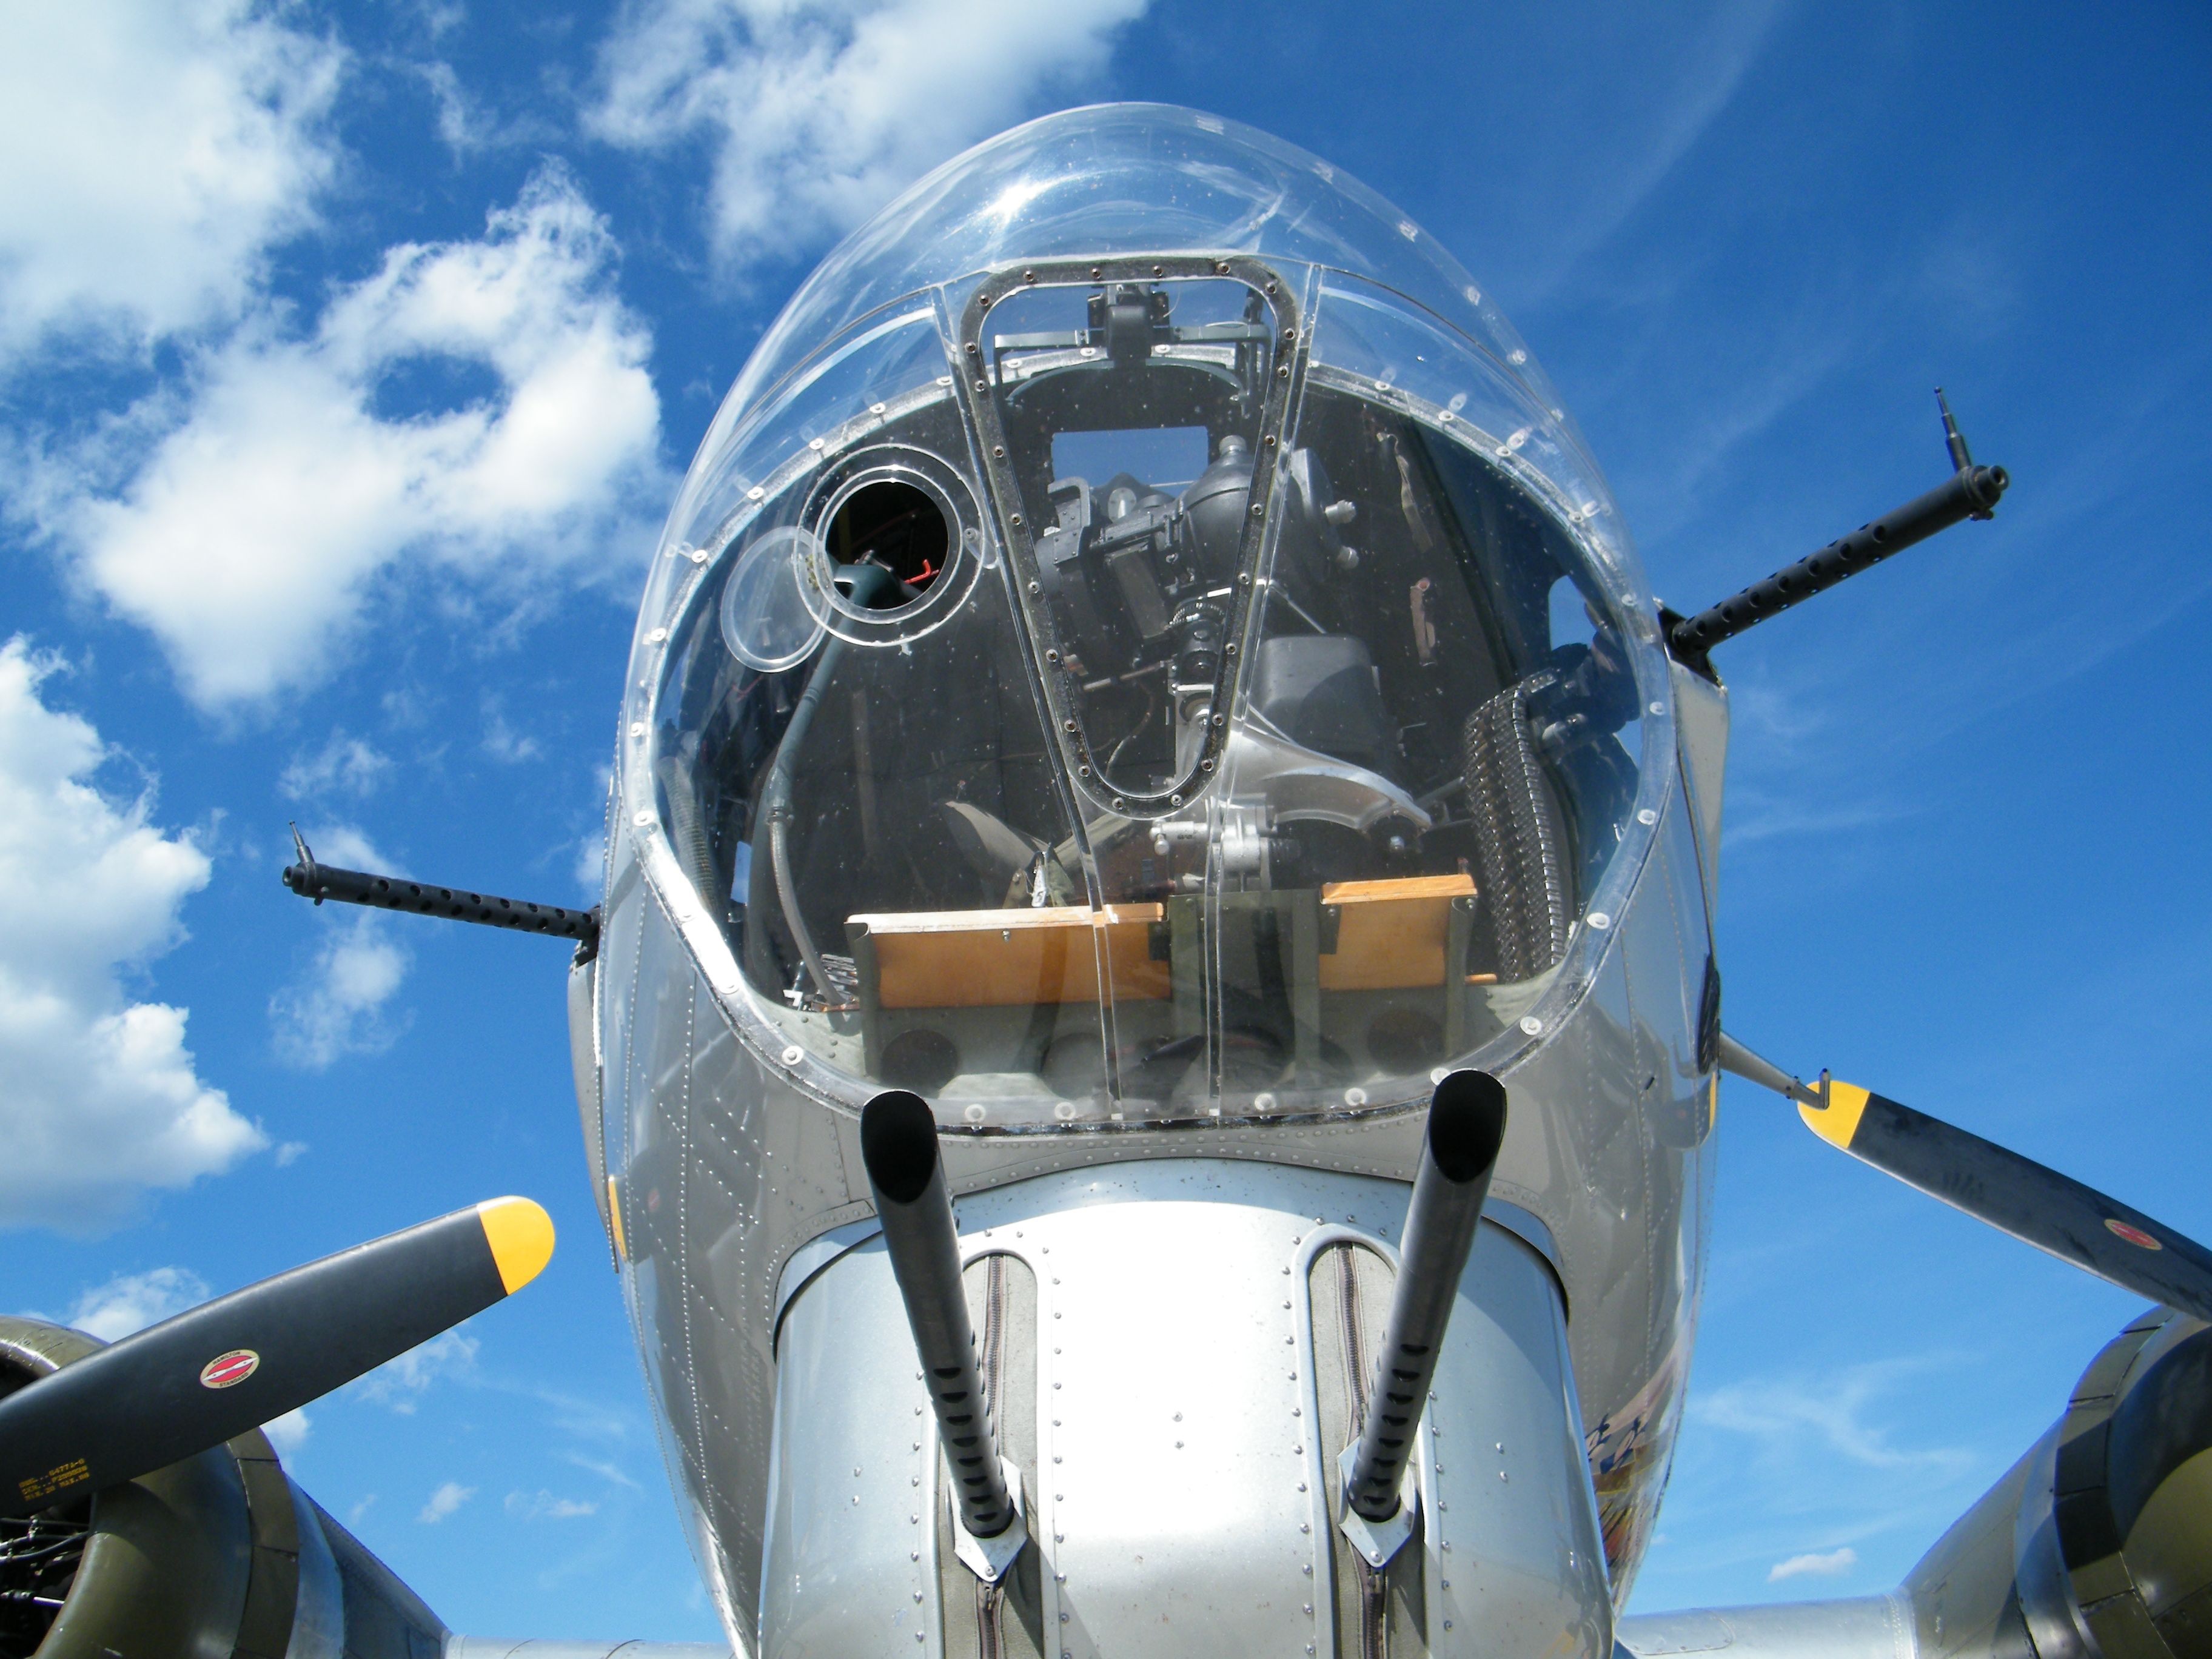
{"x": 782, "y": 1370}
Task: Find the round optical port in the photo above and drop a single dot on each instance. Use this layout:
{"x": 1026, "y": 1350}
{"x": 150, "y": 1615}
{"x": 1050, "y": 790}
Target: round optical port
{"x": 897, "y": 544}
{"x": 892, "y": 527}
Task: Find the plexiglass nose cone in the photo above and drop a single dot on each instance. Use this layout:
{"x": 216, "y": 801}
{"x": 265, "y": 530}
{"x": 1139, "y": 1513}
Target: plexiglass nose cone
{"x": 1141, "y": 641}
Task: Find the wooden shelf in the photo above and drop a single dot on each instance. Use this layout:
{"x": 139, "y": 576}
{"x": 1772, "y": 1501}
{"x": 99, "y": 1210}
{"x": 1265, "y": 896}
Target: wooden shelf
{"x": 1386, "y": 936}
{"x": 1010, "y": 958}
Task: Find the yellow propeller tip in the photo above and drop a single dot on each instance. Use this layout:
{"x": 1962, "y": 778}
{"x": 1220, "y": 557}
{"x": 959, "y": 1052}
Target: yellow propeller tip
{"x": 1839, "y": 1121}
{"x": 520, "y": 1235}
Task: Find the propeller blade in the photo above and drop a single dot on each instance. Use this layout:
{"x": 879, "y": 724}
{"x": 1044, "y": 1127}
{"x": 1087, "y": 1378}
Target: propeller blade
{"x": 227, "y": 1365}
{"x": 2014, "y": 1195}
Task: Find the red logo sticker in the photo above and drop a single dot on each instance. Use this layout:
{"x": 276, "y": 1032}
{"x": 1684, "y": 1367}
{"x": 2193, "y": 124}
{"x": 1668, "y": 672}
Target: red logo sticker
{"x": 228, "y": 1370}
{"x": 2134, "y": 1236}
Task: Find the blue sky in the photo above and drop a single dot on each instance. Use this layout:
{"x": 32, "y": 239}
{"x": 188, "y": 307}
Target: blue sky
{"x": 348, "y": 359}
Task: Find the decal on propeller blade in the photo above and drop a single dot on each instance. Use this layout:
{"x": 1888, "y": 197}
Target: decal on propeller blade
{"x": 227, "y": 1371}
{"x": 2134, "y": 1236}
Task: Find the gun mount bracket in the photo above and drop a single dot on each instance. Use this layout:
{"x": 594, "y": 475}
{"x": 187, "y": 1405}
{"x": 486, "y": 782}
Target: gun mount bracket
{"x": 1377, "y": 1541}
{"x": 989, "y": 1557}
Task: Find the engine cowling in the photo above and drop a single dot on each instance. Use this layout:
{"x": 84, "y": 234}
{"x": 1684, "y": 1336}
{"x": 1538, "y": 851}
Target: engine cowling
{"x": 2121, "y": 1566}
{"x": 2097, "y": 1544}
{"x": 220, "y": 1556}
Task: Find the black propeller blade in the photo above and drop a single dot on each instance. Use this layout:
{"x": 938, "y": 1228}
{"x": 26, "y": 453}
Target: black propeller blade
{"x": 2014, "y": 1195}
{"x": 218, "y": 1369}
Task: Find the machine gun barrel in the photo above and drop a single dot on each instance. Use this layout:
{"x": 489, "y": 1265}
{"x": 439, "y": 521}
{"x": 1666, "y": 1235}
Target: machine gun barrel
{"x": 310, "y": 880}
{"x": 1466, "y": 1127}
{"x": 1970, "y": 493}
{"x": 898, "y": 1145}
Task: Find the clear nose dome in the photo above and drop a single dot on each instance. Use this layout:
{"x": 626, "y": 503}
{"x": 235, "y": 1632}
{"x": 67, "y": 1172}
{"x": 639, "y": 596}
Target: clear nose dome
{"x": 1141, "y": 641}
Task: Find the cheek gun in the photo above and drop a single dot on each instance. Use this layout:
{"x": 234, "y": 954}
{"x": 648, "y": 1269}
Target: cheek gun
{"x": 310, "y": 880}
{"x": 1971, "y": 492}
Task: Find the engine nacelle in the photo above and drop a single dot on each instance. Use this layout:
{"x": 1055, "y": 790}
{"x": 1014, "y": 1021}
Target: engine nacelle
{"x": 2105, "y": 1527}
{"x": 219, "y": 1555}
{"x": 2097, "y": 1544}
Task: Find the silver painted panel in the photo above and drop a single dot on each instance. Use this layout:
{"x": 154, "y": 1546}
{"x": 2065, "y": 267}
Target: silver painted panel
{"x": 810, "y": 1258}
{"x": 1173, "y": 1412}
{"x": 1515, "y": 1563}
{"x": 590, "y": 1090}
{"x": 1179, "y": 1493}
{"x": 1701, "y": 730}
{"x": 852, "y": 1565}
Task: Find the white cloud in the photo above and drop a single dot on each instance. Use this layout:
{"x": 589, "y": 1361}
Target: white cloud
{"x": 150, "y": 151}
{"x": 545, "y": 1506}
{"x": 288, "y": 1433}
{"x": 343, "y": 765}
{"x": 1681, "y": 74}
{"x": 399, "y": 1383}
{"x": 605, "y": 1470}
{"x": 1821, "y": 1566}
{"x": 444, "y": 1501}
{"x": 102, "y": 1100}
{"x": 131, "y": 1302}
{"x": 339, "y": 1006}
{"x": 1786, "y": 1417}
{"x": 245, "y": 518}
{"x": 348, "y": 847}
{"x": 340, "y": 1003}
{"x": 502, "y": 741}
{"x": 590, "y": 869}
{"x": 820, "y": 110}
